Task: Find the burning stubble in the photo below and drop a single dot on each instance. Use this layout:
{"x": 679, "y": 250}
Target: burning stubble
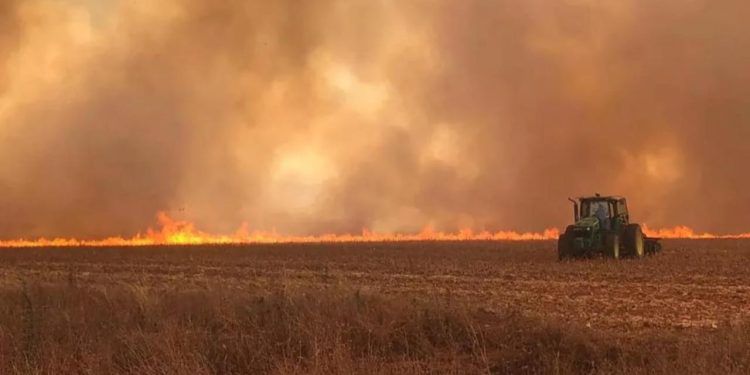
{"x": 334, "y": 116}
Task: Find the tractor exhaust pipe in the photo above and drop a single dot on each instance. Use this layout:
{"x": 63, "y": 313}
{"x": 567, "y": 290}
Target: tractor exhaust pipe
{"x": 576, "y": 213}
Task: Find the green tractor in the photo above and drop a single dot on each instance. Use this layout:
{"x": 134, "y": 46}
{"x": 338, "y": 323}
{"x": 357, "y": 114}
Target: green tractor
{"x": 602, "y": 227}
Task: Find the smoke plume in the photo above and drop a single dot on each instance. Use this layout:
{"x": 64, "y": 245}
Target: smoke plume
{"x": 339, "y": 115}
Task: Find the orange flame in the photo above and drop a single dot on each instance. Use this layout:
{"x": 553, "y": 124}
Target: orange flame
{"x": 176, "y": 232}
{"x": 688, "y": 233}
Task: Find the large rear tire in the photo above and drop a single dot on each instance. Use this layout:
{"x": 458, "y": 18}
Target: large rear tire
{"x": 612, "y": 246}
{"x": 565, "y": 247}
{"x": 634, "y": 242}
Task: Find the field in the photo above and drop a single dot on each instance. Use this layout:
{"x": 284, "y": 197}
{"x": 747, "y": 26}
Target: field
{"x": 412, "y": 307}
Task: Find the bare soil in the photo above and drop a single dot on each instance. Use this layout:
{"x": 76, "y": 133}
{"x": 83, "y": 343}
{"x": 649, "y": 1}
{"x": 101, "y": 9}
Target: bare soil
{"x": 695, "y": 290}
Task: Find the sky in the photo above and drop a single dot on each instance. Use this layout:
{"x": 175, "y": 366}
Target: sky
{"x": 335, "y": 116}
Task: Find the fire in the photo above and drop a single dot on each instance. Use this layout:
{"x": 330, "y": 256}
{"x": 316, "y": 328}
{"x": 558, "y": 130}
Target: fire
{"x": 177, "y": 232}
{"x": 689, "y": 233}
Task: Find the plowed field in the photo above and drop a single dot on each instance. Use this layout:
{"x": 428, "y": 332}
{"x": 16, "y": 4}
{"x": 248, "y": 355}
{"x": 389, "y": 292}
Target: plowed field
{"x": 695, "y": 283}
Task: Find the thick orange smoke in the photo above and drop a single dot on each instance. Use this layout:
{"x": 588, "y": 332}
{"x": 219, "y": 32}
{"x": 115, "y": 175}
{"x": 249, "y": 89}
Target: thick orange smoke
{"x": 330, "y": 116}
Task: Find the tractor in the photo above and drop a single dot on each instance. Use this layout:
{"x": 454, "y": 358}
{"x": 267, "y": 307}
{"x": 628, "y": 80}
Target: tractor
{"x": 602, "y": 227}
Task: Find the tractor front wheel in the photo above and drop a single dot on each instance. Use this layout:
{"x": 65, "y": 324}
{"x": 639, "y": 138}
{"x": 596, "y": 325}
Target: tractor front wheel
{"x": 612, "y": 246}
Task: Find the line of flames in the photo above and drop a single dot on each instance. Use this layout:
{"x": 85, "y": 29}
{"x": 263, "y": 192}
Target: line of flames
{"x": 683, "y": 232}
{"x": 176, "y": 232}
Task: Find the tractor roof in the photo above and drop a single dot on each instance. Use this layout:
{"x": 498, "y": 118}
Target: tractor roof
{"x": 598, "y": 197}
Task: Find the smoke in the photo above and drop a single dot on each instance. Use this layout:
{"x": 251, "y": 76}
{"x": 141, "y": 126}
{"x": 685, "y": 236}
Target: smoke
{"x": 337, "y": 115}
{"x": 8, "y": 34}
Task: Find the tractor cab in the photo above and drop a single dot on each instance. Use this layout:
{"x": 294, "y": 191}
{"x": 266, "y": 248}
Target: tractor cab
{"x": 612, "y": 212}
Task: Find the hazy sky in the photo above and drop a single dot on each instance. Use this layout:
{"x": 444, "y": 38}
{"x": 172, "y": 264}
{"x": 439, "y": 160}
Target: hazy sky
{"x": 337, "y": 115}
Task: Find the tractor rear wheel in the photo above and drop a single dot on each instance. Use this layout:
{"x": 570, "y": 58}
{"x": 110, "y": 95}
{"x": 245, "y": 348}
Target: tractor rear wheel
{"x": 612, "y": 246}
{"x": 565, "y": 246}
{"x": 633, "y": 241}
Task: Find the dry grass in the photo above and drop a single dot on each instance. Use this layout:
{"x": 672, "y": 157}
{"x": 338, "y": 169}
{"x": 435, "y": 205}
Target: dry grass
{"x": 376, "y": 308}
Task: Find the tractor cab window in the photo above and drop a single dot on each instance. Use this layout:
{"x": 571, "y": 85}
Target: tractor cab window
{"x": 601, "y": 210}
{"x": 622, "y": 208}
{"x": 598, "y": 209}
